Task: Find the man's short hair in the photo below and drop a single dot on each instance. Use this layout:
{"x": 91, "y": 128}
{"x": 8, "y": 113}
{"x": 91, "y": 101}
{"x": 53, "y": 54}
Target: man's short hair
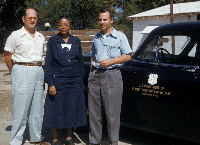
{"x": 24, "y": 14}
{"x": 107, "y": 10}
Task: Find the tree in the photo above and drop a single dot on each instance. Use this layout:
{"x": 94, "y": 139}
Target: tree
{"x": 48, "y": 10}
{"x": 84, "y": 13}
{"x": 127, "y": 8}
{"x": 10, "y": 18}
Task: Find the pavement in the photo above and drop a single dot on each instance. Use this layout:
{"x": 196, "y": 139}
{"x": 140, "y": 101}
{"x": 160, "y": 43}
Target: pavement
{"x": 80, "y": 134}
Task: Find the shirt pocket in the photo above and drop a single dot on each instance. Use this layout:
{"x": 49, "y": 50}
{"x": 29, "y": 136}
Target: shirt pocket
{"x": 25, "y": 47}
{"x": 113, "y": 49}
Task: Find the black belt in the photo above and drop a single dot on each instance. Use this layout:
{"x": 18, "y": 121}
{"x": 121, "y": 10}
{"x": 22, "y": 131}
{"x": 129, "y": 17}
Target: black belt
{"x": 112, "y": 68}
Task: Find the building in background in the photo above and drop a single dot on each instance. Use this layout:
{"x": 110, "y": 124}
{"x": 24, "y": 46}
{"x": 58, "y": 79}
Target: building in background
{"x": 145, "y": 22}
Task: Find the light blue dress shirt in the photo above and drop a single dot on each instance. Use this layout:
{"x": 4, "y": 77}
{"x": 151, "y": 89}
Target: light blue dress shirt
{"x": 109, "y": 46}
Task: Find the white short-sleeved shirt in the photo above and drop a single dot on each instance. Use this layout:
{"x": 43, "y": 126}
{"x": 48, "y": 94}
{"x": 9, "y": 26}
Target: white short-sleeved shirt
{"x": 25, "y": 47}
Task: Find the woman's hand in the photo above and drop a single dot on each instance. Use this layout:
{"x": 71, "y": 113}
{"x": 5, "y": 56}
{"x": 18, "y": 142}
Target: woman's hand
{"x": 52, "y": 90}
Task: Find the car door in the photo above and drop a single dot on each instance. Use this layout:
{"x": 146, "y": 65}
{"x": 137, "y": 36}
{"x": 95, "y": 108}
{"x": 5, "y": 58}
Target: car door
{"x": 160, "y": 95}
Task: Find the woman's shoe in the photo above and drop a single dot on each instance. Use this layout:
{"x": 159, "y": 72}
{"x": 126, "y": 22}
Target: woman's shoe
{"x": 56, "y": 143}
{"x": 69, "y": 142}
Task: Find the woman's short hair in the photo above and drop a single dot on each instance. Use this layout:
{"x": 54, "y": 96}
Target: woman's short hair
{"x": 65, "y": 17}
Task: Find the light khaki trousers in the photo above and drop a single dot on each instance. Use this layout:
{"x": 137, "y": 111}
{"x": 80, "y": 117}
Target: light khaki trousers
{"x": 27, "y": 98}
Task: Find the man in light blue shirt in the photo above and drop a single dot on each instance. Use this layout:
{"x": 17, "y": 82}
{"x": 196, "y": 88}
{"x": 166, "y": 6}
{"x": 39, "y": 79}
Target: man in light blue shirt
{"x": 109, "y": 51}
{"x": 110, "y": 46}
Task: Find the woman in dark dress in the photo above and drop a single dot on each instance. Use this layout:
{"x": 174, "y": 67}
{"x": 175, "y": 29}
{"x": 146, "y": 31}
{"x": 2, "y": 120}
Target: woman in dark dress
{"x": 64, "y": 71}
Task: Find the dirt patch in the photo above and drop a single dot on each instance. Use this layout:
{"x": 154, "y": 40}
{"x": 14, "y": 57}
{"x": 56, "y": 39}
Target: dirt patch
{"x": 1, "y": 58}
{"x": 5, "y": 92}
{"x": 5, "y": 105}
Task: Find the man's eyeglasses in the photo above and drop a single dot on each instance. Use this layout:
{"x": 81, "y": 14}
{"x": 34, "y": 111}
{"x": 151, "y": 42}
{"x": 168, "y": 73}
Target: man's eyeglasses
{"x": 31, "y": 18}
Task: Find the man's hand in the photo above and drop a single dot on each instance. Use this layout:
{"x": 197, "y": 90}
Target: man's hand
{"x": 8, "y": 60}
{"x": 52, "y": 90}
{"x": 104, "y": 62}
{"x": 91, "y": 61}
{"x": 119, "y": 60}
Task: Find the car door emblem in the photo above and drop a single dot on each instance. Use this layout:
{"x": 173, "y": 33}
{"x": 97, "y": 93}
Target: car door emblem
{"x": 152, "y": 79}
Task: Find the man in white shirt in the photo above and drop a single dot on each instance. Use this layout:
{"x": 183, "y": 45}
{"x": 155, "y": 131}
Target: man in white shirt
{"x": 23, "y": 54}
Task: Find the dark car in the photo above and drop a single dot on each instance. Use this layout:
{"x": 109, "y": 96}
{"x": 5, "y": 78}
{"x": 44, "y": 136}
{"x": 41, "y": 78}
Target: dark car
{"x": 162, "y": 90}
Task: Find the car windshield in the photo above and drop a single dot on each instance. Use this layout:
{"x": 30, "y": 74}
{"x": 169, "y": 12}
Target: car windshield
{"x": 159, "y": 49}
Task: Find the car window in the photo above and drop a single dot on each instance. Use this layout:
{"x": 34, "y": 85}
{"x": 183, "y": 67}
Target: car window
{"x": 159, "y": 49}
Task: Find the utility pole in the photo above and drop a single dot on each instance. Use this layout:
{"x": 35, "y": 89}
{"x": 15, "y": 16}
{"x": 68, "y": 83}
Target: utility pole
{"x": 171, "y": 21}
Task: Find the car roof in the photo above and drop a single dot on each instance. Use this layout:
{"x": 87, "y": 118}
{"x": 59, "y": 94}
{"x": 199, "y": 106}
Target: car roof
{"x": 183, "y": 28}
